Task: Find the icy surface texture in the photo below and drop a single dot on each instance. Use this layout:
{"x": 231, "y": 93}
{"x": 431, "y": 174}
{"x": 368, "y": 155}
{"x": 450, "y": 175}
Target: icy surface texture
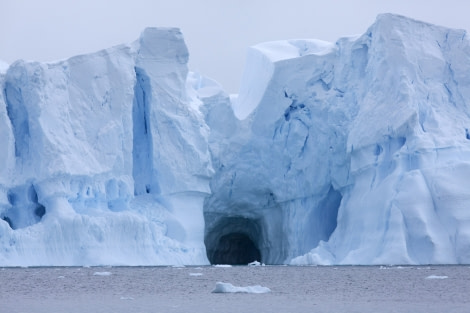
{"x": 349, "y": 153}
{"x": 103, "y": 159}
{"x": 359, "y": 150}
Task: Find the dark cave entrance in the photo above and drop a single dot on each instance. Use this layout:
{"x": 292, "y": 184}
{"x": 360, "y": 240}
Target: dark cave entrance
{"x": 235, "y": 249}
{"x": 234, "y": 240}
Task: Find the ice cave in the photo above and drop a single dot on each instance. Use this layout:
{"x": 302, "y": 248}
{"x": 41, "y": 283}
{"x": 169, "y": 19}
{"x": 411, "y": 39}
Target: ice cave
{"x": 234, "y": 240}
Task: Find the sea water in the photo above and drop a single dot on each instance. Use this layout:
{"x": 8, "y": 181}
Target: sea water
{"x": 189, "y": 289}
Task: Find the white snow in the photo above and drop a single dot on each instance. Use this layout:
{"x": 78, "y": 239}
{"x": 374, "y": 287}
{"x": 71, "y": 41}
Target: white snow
{"x": 354, "y": 152}
{"x": 221, "y": 287}
{"x": 284, "y": 50}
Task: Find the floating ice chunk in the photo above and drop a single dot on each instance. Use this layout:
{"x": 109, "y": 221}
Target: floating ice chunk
{"x": 195, "y": 274}
{"x": 391, "y": 267}
{"x": 127, "y": 298}
{"x": 221, "y": 287}
{"x": 256, "y": 263}
{"x": 436, "y": 277}
{"x": 102, "y": 274}
{"x": 222, "y": 265}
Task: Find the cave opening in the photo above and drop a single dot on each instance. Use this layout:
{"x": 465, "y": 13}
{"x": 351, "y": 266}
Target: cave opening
{"x": 235, "y": 249}
{"x": 234, "y": 241}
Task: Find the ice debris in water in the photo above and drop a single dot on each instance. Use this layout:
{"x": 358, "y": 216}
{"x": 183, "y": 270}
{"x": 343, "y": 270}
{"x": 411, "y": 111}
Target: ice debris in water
{"x": 436, "y": 277}
{"x": 102, "y": 274}
{"x": 221, "y": 287}
{"x": 127, "y": 298}
{"x": 195, "y": 274}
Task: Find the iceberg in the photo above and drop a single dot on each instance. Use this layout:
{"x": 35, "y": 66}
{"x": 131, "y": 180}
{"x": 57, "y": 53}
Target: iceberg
{"x": 104, "y": 161}
{"x": 354, "y": 152}
{"x": 358, "y": 149}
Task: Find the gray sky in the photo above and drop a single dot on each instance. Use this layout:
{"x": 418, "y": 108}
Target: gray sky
{"x": 217, "y": 32}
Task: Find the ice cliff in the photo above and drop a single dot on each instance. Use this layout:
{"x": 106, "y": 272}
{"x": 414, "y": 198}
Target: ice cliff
{"x": 104, "y": 161}
{"x": 354, "y": 152}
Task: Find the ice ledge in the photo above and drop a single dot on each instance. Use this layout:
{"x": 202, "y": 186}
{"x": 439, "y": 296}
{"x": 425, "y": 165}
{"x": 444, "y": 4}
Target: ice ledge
{"x": 395, "y": 21}
{"x": 289, "y": 49}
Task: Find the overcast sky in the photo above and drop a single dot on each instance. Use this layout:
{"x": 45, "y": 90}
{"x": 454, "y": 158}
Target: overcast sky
{"x": 217, "y": 32}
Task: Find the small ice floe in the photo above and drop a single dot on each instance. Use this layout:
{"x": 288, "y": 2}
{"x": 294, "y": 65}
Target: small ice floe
{"x": 229, "y": 288}
{"x": 195, "y": 274}
{"x": 436, "y": 277}
{"x": 256, "y": 263}
{"x": 127, "y": 298}
{"x": 222, "y": 265}
{"x": 102, "y": 274}
{"x": 60, "y": 277}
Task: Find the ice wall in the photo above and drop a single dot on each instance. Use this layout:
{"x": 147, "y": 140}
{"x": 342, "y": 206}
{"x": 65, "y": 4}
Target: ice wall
{"x": 353, "y": 153}
{"x": 104, "y": 159}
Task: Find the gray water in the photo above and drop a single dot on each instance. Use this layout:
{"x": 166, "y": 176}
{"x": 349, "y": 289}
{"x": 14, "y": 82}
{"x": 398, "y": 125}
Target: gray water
{"x": 293, "y": 289}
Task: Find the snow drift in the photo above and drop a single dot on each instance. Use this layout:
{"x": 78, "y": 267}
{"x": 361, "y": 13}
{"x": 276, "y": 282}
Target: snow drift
{"x": 349, "y": 153}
